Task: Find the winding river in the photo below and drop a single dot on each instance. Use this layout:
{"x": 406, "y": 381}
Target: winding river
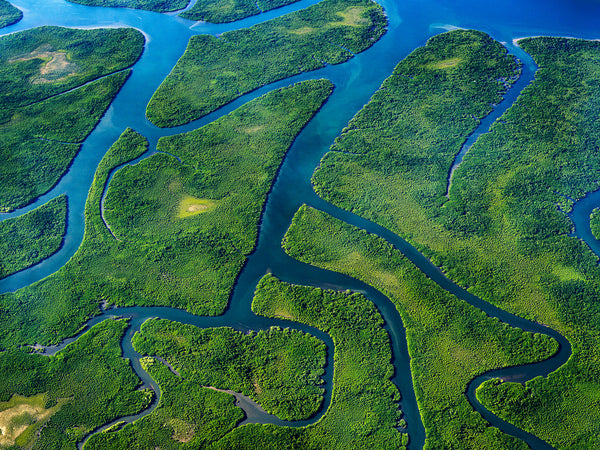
{"x": 411, "y": 23}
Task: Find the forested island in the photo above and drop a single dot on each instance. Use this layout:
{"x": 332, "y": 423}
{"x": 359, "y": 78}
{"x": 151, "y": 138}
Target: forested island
{"x": 173, "y": 300}
{"x": 214, "y": 71}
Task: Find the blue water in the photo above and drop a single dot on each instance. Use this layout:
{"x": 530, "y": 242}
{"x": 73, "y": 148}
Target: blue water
{"x": 411, "y": 23}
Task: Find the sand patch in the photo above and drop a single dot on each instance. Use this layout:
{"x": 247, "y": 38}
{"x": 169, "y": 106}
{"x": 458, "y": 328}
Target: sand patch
{"x": 56, "y": 66}
{"x": 257, "y": 387}
{"x": 284, "y": 314}
{"x": 444, "y": 64}
{"x": 252, "y": 130}
{"x": 21, "y": 416}
{"x": 182, "y": 431}
{"x": 191, "y": 206}
{"x": 303, "y": 30}
{"x": 353, "y": 16}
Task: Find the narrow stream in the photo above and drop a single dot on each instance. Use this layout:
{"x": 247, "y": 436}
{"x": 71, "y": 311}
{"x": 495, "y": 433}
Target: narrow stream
{"x": 528, "y": 69}
{"x": 410, "y": 25}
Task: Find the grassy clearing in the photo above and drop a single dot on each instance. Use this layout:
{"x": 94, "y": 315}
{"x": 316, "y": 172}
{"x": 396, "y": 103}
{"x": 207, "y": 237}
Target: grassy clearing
{"x": 42, "y": 125}
{"x": 214, "y": 71}
{"x": 500, "y": 233}
{"x": 190, "y": 206}
{"x": 32, "y": 237}
{"x": 449, "y": 341}
{"x": 445, "y": 64}
{"x": 352, "y": 16}
{"x": 21, "y": 417}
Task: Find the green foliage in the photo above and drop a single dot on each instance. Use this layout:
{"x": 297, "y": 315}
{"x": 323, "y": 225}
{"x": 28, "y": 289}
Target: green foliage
{"x": 546, "y": 147}
{"x": 32, "y": 237}
{"x": 397, "y": 151}
{"x": 41, "y": 140}
{"x": 215, "y": 11}
{"x": 38, "y": 63}
{"x": 363, "y": 412}
{"x": 89, "y": 381}
{"x": 595, "y": 223}
{"x": 214, "y": 71}
{"x": 158, "y": 254}
{"x": 9, "y": 14}
{"x": 188, "y": 415}
{"x": 449, "y": 341}
{"x": 280, "y": 369}
{"x": 501, "y": 232}
{"x": 222, "y": 11}
{"x": 59, "y": 304}
{"x": 41, "y": 124}
{"x": 571, "y": 393}
{"x": 150, "y": 5}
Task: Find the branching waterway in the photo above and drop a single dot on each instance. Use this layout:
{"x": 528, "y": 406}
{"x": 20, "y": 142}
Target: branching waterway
{"x": 411, "y": 23}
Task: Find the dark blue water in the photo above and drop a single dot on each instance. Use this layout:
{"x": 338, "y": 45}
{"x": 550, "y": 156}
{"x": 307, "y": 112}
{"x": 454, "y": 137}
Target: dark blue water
{"x": 411, "y": 23}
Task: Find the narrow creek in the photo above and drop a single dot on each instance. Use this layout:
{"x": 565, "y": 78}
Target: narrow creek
{"x": 167, "y": 36}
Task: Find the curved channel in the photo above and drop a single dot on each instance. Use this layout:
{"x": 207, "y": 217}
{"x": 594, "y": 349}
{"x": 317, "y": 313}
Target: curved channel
{"x": 411, "y": 23}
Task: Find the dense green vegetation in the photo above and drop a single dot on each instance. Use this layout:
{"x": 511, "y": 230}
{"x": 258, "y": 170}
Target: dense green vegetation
{"x": 501, "y": 232}
{"x": 58, "y": 305}
{"x": 363, "y": 412}
{"x": 38, "y": 63}
{"x": 280, "y": 368}
{"x": 32, "y": 237}
{"x": 595, "y": 223}
{"x": 41, "y": 140}
{"x": 397, "y": 151}
{"x": 42, "y": 130}
{"x": 219, "y": 11}
{"x": 150, "y": 5}
{"x": 214, "y": 71}
{"x": 449, "y": 341}
{"x": 188, "y": 415}
{"x": 79, "y": 389}
{"x": 191, "y": 256}
{"x": 159, "y": 254}
{"x": 9, "y": 14}
{"x": 215, "y": 11}
{"x": 551, "y": 139}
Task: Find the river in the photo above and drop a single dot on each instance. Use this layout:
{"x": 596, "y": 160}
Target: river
{"x": 411, "y": 23}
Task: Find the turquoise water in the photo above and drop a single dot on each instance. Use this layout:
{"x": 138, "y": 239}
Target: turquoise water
{"x": 411, "y": 23}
